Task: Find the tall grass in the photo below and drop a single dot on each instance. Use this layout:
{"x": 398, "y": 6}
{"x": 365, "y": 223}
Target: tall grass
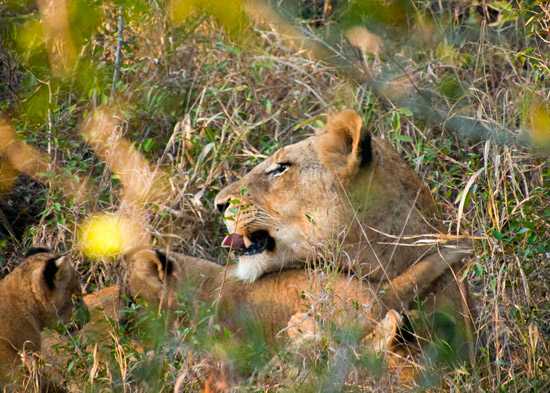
{"x": 207, "y": 106}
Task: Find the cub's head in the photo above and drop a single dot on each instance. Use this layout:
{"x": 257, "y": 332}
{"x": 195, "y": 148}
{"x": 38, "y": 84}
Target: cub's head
{"x": 53, "y": 283}
{"x": 152, "y": 276}
{"x": 159, "y": 279}
{"x": 285, "y": 208}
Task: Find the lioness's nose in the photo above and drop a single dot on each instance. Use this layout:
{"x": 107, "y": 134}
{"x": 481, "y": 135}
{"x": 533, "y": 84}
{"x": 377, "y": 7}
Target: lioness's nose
{"x": 223, "y": 199}
{"x": 222, "y": 206}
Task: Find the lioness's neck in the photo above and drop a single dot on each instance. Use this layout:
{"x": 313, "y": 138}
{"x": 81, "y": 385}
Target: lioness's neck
{"x": 389, "y": 201}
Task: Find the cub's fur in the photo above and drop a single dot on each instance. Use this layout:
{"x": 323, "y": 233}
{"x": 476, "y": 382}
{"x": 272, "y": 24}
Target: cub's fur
{"x": 35, "y": 295}
{"x": 57, "y": 351}
{"x": 272, "y": 300}
{"x": 339, "y": 190}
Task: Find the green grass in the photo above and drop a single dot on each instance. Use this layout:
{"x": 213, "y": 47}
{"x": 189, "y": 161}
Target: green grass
{"x": 236, "y": 99}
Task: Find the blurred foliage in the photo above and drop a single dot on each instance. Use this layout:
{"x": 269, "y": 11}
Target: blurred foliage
{"x": 230, "y": 14}
{"x": 40, "y": 92}
{"x": 459, "y": 53}
{"x": 377, "y": 14}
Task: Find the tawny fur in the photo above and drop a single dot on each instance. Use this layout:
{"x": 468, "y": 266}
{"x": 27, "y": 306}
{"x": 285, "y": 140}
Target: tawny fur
{"x": 269, "y": 303}
{"x": 272, "y": 300}
{"x": 56, "y": 350}
{"x": 29, "y": 305}
{"x": 329, "y": 200}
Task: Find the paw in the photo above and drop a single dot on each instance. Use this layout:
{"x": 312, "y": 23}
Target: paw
{"x": 303, "y": 327}
{"x": 385, "y": 332}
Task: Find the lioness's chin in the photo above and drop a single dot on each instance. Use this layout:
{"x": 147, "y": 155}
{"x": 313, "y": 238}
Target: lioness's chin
{"x": 249, "y": 269}
{"x": 252, "y": 267}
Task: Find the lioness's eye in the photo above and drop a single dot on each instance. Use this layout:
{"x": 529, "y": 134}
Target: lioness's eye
{"x": 278, "y": 169}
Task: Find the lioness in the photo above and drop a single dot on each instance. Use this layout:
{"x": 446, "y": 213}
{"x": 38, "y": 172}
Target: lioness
{"x": 339, "y": 190}
{"x": 35, "y": 295}
{"x": 347, "y": 198}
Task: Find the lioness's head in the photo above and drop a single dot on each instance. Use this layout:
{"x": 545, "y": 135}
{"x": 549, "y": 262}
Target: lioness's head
{"x": 53, "y": 282}
{"x": 285, "y": 208}
{"x": 339, "y": 188}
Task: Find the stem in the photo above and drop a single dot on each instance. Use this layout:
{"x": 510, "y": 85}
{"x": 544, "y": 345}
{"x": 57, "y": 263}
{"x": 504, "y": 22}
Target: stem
{"x": 118, "y": 53}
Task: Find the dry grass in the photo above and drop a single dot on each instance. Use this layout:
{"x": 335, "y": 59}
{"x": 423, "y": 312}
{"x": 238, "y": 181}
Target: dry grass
{"x": 207, "y": 109}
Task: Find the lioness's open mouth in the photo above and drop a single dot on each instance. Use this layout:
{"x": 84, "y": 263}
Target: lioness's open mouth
{"x": 256, "y": 243}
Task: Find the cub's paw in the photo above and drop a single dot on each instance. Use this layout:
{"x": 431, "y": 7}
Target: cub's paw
{"x": 302, "y": 327}
{"x": 384, "y": 333}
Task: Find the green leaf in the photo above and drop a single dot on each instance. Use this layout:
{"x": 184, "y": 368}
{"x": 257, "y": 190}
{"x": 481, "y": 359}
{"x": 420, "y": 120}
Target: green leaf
{"x": 450, "y": 87}
{"x": 147, "y": 145}
{"x": 497, "y": 235}
{"x": 403, "y": 138}
{"x": 405, "y": 111}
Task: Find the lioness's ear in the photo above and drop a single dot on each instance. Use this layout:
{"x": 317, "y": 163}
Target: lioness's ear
{"x": 345, "y": 146}
{"x": 57, "y": 272}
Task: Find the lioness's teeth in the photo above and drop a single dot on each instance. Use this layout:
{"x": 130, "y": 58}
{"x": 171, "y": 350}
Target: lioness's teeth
{"x": 247, "y": 241}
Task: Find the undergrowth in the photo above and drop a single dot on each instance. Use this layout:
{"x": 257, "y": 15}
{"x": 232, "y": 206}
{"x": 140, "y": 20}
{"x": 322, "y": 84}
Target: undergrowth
{"x": 207, "y": 104}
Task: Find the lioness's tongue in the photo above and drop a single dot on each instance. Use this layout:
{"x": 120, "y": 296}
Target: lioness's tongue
{"x": 234, "y": 241}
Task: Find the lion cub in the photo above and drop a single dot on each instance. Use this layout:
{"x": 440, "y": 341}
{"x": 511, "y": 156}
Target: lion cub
{"x": 274, "y": 299}
{"x": 35, "y": 295}
{"x": 270, "y": 302}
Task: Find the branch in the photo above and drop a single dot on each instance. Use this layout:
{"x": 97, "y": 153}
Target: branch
{"x": 421, "y": 103}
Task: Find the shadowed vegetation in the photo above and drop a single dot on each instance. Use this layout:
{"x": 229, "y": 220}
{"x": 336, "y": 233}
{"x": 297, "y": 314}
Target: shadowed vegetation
{"x": 207, "y": 89}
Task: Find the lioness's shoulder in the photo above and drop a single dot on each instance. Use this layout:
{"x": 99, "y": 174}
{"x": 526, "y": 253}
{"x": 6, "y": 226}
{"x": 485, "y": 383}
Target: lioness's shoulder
{"x": 398, "y": 175}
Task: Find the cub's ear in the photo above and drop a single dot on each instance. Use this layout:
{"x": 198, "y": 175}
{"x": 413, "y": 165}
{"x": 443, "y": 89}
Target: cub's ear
{"x": 149, "y": 268}
{"x": 57, "y": 272}
{"x": 345, "y": 146}
{"x": 166, "y": 264}
{"x": 36, "y": 250}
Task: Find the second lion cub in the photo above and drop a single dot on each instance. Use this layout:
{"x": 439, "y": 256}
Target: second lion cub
{"x": 35, "y": 295}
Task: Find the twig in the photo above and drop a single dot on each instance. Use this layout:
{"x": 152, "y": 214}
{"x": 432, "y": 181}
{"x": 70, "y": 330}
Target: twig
{"x": 118, "y": 53}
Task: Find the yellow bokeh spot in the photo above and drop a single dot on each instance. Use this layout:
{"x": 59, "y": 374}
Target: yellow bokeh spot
{"x": 539, "y": 120}
{"x": 229, "y": 13}
{"x": 103, "y": 236}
